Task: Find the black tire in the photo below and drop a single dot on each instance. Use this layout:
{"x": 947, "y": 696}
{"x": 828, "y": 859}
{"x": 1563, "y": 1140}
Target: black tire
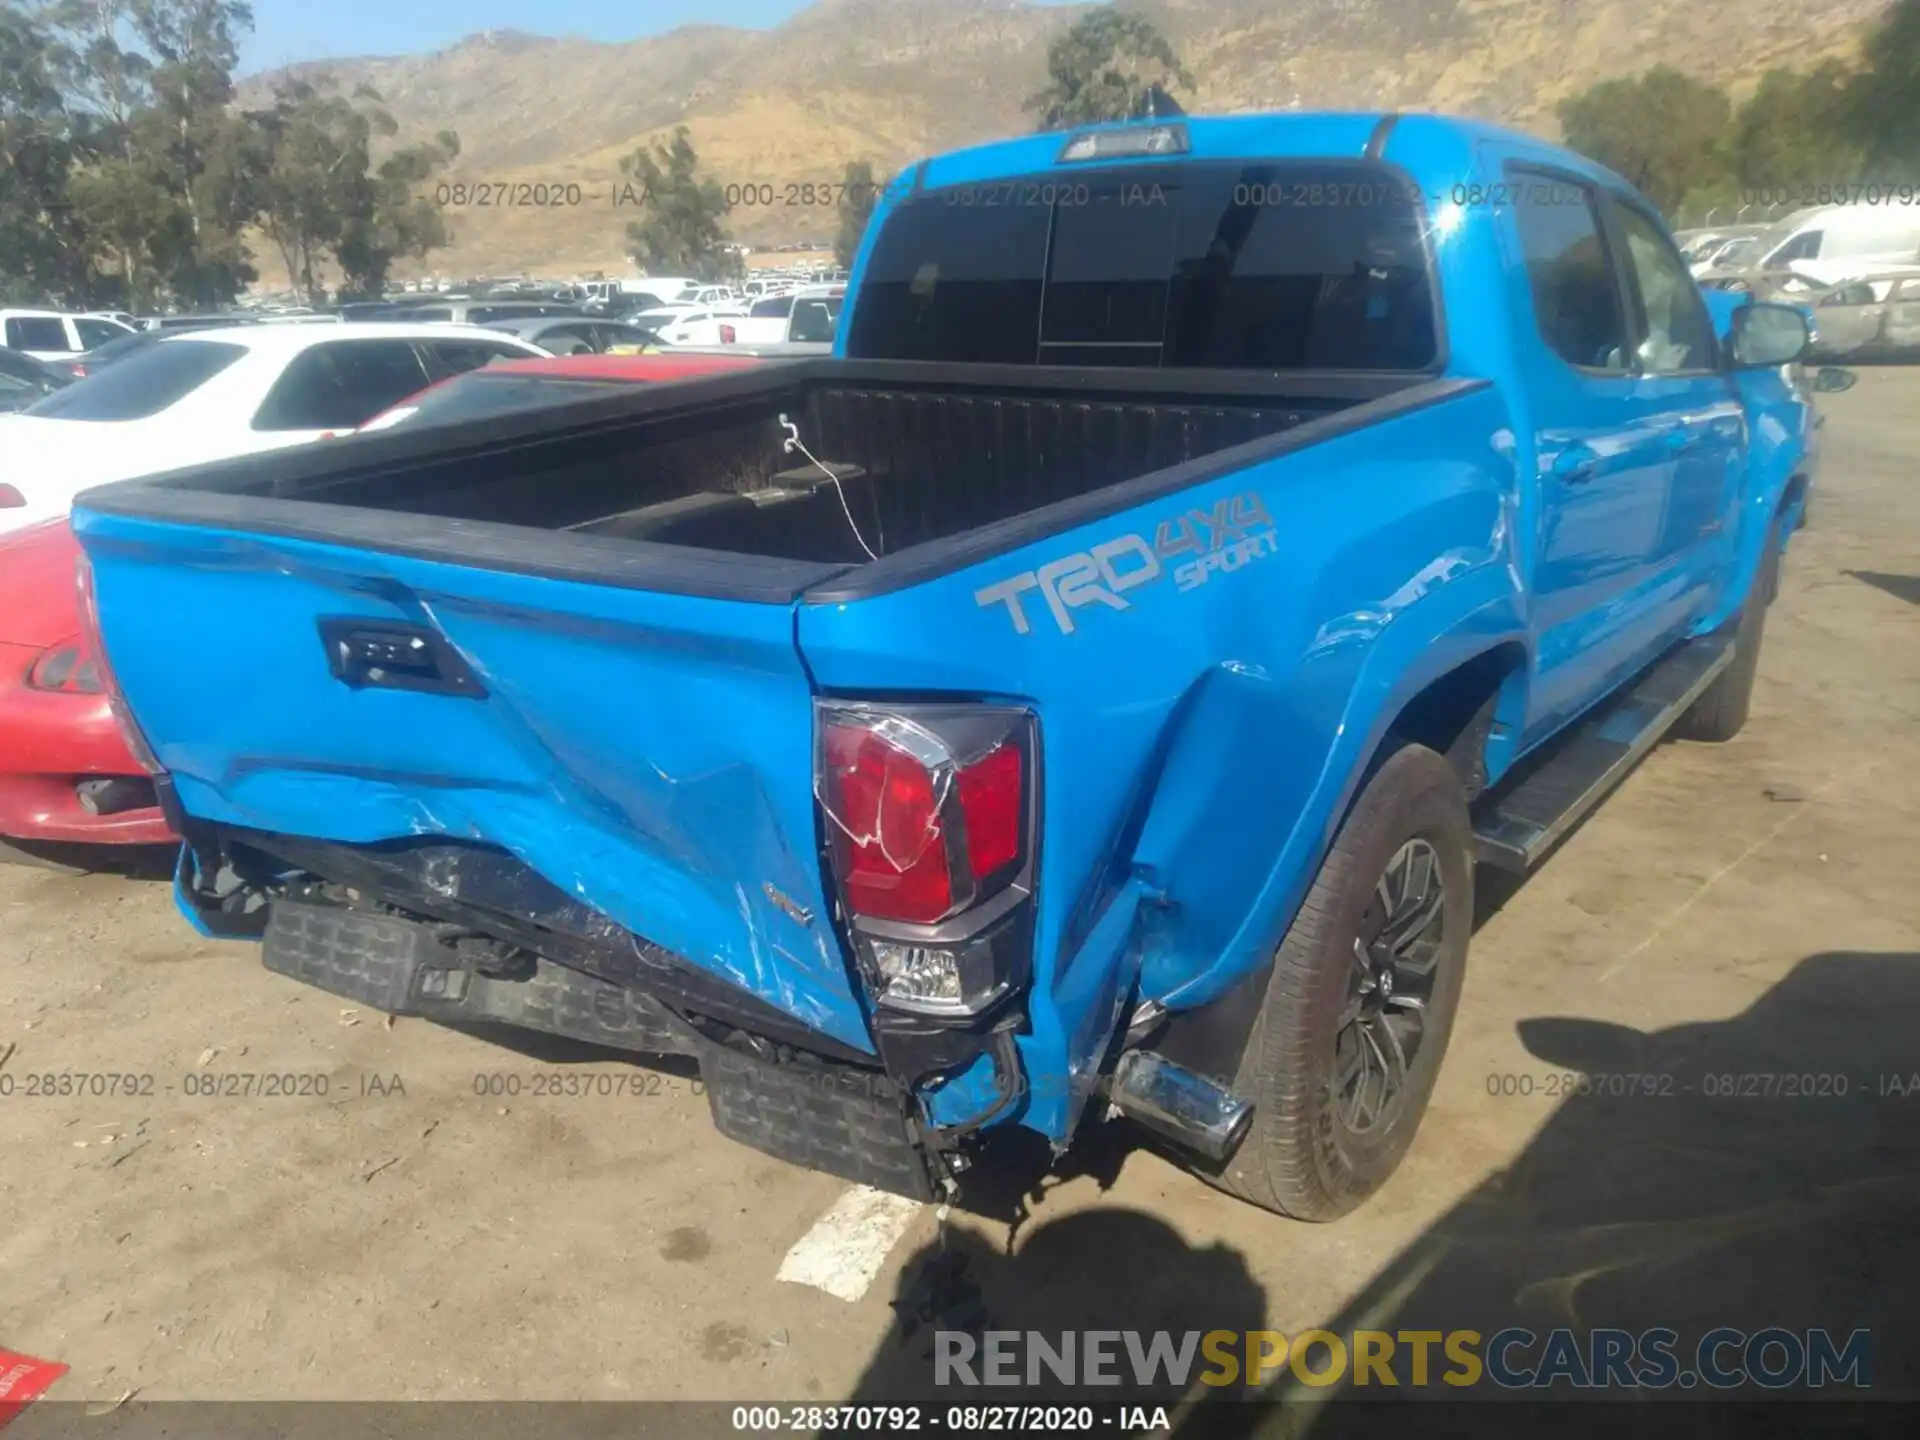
{"x": 1721, "y": 712}
{"x": 1302, "y": 1157}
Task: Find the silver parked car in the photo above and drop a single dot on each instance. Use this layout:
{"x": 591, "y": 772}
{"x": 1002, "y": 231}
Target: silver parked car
{"x": 1875, "y": 317}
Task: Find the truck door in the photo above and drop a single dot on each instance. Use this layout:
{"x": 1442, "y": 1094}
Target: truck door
{"x": 1677, "y": 356}
{"x": 1606, "y": 447}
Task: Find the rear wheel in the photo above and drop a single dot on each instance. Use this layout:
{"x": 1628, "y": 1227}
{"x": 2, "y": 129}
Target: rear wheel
{"x": 1360, "y": 1004}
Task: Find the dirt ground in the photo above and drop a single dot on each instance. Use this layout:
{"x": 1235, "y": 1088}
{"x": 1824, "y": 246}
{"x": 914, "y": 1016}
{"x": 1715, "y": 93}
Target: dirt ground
{"x": 1745, "y": 908}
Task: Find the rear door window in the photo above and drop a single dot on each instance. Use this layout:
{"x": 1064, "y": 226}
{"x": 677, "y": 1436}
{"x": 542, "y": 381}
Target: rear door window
{"x": 341, "y": 385}
{"x": 143, "y": 384}
{"x": 569, "y": 340}
{"x": 1577, "y": 304}
{"x": 456, "y": 357}
{"x": 38, "y": 332}
{"x": 94, "y": 333}
{"x": 1282, "y": 266}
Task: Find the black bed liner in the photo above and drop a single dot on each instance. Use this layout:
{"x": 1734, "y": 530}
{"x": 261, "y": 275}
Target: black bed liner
{"x": 996, "y": 457}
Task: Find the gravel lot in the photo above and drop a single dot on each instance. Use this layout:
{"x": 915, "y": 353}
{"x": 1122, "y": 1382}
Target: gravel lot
{"x": 1751, "y": 908}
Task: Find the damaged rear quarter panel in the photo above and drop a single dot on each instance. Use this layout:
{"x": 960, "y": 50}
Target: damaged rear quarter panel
{"x": 1200, "y": 739}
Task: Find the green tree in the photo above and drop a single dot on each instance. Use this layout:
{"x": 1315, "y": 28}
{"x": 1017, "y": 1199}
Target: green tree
{"x": 1883, "y": 103}
{"x": 1664, "y": 131}
{"x": 117, "y": 144}
{"x": 1103, "y": 67}
{"x": 312, "y": 140}
{"x": 390, "y": 215}
{"x": 322, "y": 194}
{"x": 1794, "y": 132}
{"x": 43, "y": 250}
{"x": 681, "y": 229}
{"x": 201, "y": 151}
{"x": 855, "y": 207}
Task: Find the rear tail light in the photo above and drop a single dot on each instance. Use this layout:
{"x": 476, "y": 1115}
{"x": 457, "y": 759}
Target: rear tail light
{"x": 11, "y": 499}
{"x": 72, "y": 667}
{"x": 728, "y": 334}
{"x": 129, "y": 728}
{"x": 929, "y": 818}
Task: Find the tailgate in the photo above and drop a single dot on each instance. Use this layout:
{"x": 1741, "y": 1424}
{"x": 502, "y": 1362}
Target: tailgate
{"x": 650, "y": 754}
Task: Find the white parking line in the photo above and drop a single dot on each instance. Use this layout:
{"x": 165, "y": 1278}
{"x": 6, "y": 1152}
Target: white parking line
{"x": 846, "y": 1247}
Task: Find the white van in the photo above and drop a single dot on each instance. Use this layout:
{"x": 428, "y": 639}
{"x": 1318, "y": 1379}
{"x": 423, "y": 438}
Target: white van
{"x": 1833, "y": 243}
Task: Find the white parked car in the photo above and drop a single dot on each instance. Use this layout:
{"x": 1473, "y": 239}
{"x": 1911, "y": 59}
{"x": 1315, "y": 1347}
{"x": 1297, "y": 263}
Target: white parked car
{"x": 693, "y": 324}
{"x": 801, "y": 317}
{"x": 1831, "y": 244}
{"x": 209, "y": 394}
{"x": 54, "y": 335}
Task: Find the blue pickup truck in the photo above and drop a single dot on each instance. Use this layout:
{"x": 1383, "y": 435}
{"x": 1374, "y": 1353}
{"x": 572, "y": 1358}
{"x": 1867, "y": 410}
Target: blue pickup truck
{"x": 1087, "y": 693}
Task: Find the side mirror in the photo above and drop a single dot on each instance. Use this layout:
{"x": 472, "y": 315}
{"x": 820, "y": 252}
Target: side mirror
{"x": 1765, "y": 336}
{"x": 1831, "y": 380}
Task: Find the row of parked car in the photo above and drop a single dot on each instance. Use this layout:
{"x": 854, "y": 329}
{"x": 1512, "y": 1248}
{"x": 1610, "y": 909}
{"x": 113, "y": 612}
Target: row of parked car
{"x": 67, "y": 775}
{"x": 44, "y": 350}
{"x": 1855, "y": 268}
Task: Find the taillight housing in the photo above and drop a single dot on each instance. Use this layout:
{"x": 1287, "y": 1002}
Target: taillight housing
{"x": 129, "y": 728}
{"x": 929, "y": 815}
{"x": 71, "y": 667}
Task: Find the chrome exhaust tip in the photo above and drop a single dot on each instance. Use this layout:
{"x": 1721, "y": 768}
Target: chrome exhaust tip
{"x": 1171, "y": 1100}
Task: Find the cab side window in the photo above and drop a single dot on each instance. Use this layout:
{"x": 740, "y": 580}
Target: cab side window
{"x": 1576, "y": 295}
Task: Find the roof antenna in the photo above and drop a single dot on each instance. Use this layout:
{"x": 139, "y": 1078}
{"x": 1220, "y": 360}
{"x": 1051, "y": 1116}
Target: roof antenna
{"x": 1158, "y": 105}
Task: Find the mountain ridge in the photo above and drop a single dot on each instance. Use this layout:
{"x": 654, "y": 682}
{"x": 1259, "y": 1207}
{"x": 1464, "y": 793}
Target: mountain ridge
{"x": 892, "y": 80}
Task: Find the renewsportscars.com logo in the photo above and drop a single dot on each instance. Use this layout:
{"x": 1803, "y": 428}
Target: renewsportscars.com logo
{"x": 1513, "y": 1359}
{"x": 1233, "y": 534}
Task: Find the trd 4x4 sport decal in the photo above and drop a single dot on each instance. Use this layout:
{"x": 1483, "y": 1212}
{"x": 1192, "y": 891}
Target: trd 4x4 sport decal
{"x": 1234, "y": 533}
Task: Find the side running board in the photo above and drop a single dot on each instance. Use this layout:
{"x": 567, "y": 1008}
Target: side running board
{"x": 1520, "y": 820}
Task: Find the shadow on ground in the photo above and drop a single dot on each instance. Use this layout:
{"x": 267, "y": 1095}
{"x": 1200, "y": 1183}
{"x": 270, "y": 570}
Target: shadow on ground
{"x": 134, "y": 862}
{"x": 1901, "y": 587}
{"x": 1754, "y": 1172}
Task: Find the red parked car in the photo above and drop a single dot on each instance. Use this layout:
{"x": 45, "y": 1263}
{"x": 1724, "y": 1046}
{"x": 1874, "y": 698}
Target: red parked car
{"x": 66, "y": 774}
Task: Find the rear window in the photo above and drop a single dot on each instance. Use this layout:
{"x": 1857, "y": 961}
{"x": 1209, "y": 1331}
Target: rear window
{"x": 477, "y": 395}
{"x": 1318, "y": 265}
{"x": 143, "y": 384}
{"x": 814, "y": 321}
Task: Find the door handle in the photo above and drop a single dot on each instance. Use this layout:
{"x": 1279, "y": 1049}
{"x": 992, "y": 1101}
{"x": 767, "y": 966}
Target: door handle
{"x": 1575, "y": 465}
{"x": 386, "y": 655}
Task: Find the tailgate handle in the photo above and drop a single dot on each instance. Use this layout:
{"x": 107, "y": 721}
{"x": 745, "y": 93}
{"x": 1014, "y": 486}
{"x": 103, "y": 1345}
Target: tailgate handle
{"x": 381, "y": 655}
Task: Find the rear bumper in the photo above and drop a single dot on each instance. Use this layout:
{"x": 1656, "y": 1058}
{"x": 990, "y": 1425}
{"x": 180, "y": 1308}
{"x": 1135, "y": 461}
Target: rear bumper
{"x": 51, "y": 741}
{"x": 808, "y": 1110}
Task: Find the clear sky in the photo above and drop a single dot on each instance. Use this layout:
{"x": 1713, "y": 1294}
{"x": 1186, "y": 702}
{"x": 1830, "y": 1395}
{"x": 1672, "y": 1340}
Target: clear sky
{"x": 288, "y": 30}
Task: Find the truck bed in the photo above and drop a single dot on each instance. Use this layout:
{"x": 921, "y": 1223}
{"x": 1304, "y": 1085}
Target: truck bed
{"x": 921, "y": 453}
